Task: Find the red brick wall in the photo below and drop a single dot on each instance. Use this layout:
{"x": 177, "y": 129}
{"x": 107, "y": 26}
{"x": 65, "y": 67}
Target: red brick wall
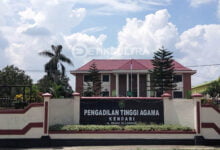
{"x": 79, "y": 83}
{"x": 122, "y": 85}
{"x": 112, "y": 84}
{"x": 143, "y": 86}
{"x": 186, "y": 83}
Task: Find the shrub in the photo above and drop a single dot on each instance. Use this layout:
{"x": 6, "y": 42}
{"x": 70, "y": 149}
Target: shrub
{"x": 138, "y": 127}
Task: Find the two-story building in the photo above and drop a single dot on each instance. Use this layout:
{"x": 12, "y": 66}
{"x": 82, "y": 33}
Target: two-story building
{"x": 118, "y": 76}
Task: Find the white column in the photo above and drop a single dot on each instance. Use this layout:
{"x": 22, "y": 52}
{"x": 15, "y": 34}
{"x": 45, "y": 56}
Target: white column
{"x": 138, "y": 85}
{"x": 76, "y": 109}
{"x": 47, "y": 97}
{"x": 167, "y": 106}
{"x": 197, "y": 112}
{"x": 117, "y": 84}
{"x": 148, "y": 85}
{"x": 127, "y": 79}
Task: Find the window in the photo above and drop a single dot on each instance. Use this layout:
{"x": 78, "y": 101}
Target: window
{"x": 105, "y": 93}
{"x": 177, "y": 78}
{"x": 177, "y": 94}
{"x": 87, "y": 78}
{"x": 105, "y": 78}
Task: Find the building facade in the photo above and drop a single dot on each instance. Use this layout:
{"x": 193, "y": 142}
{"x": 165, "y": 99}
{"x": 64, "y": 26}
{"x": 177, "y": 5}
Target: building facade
{"x": 121, "y": 77}
{"x": 203, "y": 87}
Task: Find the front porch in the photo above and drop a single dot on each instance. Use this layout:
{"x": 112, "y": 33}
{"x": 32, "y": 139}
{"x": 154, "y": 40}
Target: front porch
{"x": 132, "y": 84}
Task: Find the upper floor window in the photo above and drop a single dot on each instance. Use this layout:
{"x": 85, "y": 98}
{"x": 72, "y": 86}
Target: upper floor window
{"x": 87, "y": 78}
{"x": 177, "y": 78}
{"x": 105, "y": 78}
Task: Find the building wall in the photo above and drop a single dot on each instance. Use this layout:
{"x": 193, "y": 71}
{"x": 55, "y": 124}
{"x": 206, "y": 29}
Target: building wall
{"x": 200, "y": 89}
{"x": 179, "y": 111}
{"x": 20, "y": 120}
{"x": 122, "y": 85}
{"x": 112, "y": 85}
{"x": 210, "y": 118}
{"x": 186, "y": 83}
{"x": 30, "y": 122}
{"x": 106, "y": 85}
{"x": 61, "y": 111}
{"x": 143, "y": 85}
{"x": 25, "y": 123}
{"x": 79, "y": 83}
{"x": 134, "y": 82}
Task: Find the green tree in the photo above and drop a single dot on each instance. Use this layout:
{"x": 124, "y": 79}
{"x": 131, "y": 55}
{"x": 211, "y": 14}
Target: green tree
{"x": 163, "y": 71}
{"x": 214, "y": 89}
{"x": 13, "y": 76}
{"x": 58, "y": 88}
{"x": 55, "y": 82}
{"x": 94, "y": 77}
{"x": 55, "y": 66}
{"x": 89, "y": 90}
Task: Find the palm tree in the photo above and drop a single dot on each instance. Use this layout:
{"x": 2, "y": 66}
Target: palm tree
{"x": 55, "y": 62}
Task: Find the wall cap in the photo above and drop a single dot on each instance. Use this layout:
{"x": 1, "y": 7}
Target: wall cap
{"x": 76, "y": 94}
{"x": 166, "y": 95}
{"x": 47, "y": 95}
{"x": 197, "y": 95}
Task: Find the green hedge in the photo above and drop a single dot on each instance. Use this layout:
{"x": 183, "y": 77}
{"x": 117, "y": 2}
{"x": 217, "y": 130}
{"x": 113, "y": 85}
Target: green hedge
{"x": 138, "y": 127}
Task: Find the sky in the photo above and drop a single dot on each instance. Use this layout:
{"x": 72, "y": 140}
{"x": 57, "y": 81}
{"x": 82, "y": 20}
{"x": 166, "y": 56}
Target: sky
{"x": 111, "y": 29}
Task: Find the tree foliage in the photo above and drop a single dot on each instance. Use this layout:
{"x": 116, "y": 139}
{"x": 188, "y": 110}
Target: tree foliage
{"x": 214, "y": 89}
{"x": 55, "y": 65}
{"x": 12, "y": 76}
{"x": 163, "y": 72}
{"x": 95, "y": 88}
{"x": 55, "y": 82}
{"x": 58, "y": 88}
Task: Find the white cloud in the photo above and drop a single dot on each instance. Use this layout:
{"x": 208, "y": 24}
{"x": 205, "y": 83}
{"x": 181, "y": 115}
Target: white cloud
{"x": 37, "y": 31}
{"x": 196, "y": 3}
{"x": 146, "y": 36}
{"x": 93, "y": 29}
{"x": 106, "y": 7}
{"x": 109, "y": 7}
{"x": 29, "y": 15}
{"x": 3, "y": 42}
{"x": 28, "y": 29}
{"x": 85, "y": 47}
{"x": 201, "y": 46}
{"x": 56, "y": 16}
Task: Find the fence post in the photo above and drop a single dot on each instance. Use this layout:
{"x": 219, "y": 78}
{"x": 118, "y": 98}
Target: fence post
{"x": 166, "y": 104}
{"x": 197, "y": 110}
{"x": 76, "y": 109}
{"x": 47, "y": 97}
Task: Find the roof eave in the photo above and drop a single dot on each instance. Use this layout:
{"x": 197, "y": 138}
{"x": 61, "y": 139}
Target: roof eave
{"x": 185, "y": 71}
{"x": 74, "y": 72}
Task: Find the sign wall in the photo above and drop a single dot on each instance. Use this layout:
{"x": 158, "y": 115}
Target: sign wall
{"x": 121, "y": 112}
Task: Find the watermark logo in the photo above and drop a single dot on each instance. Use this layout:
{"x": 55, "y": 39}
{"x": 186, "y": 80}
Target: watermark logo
{"x": 81, "y": 50}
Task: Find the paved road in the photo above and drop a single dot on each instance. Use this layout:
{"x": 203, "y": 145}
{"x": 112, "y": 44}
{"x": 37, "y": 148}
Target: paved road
{"x": 137, "y": 147}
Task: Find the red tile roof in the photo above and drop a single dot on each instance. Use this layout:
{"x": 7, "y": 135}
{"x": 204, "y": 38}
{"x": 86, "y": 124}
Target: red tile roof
{"x": 125, "y": 64}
